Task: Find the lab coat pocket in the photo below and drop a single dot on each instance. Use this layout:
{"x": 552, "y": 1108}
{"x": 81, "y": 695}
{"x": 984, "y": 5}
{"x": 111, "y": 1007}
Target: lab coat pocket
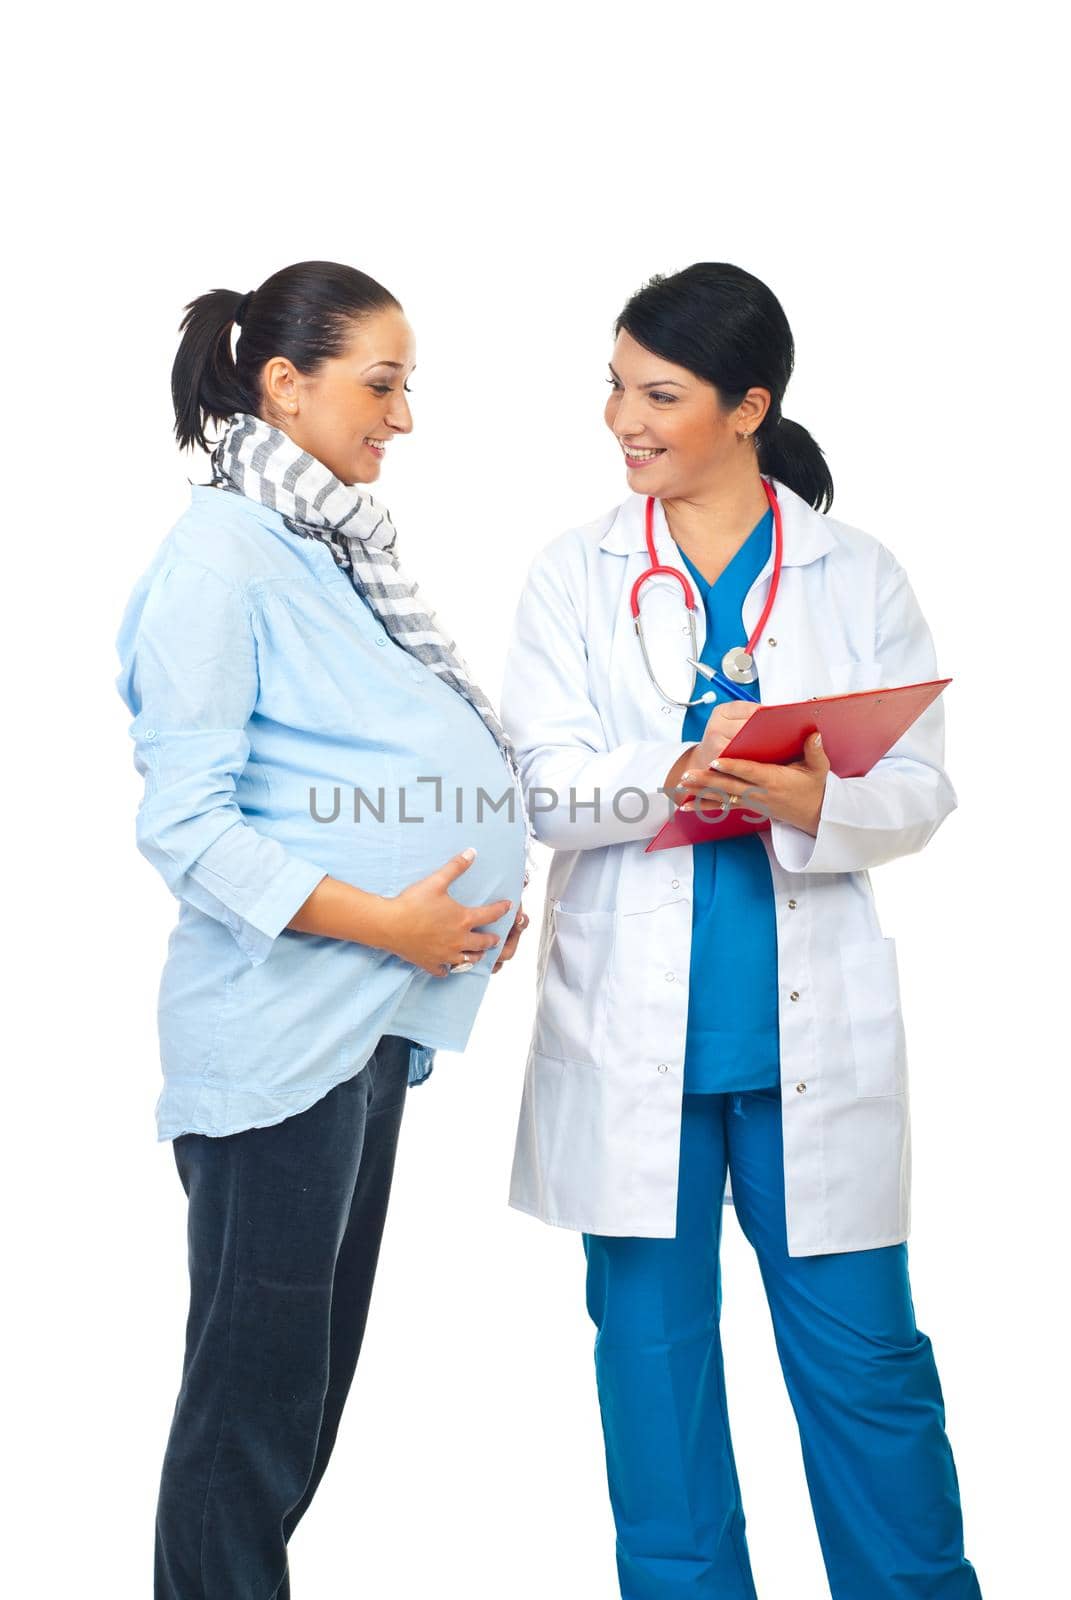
{"x": 872, "y": 992}
{"x": 571, "y": 1014}
{"x": 849, "y": 675}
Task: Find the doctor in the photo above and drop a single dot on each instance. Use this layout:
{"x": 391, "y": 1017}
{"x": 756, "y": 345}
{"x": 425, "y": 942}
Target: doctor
{"x": 729, "y": 1009}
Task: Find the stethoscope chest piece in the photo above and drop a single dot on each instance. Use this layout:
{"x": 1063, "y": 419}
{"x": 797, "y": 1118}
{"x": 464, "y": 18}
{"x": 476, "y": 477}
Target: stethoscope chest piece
{"x": 739, "y": 665}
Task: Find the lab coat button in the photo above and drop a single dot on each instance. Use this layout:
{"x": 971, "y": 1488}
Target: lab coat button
{"x": 676, "y": 883}
{"x": 794, "y": 995}
{"x": 663, "y": 1067}
{"x": 792, "y": 905}
{"x": 771, "y": 641}
{"x": 667, "y": 711}
{"x": 801, "y": 1088}
{"x": 671, "y": 977}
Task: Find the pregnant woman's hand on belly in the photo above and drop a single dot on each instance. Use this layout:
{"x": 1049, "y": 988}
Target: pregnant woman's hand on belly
{"x": 427, "y": 926}
{"x": 424, "y": 924}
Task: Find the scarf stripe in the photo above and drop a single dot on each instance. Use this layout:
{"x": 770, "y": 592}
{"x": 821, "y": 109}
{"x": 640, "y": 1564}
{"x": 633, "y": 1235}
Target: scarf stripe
{"x": 261, "y": 461}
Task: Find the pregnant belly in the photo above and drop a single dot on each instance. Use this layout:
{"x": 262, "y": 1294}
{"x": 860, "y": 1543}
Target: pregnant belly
{"x": 394, "y": 829}
{"x": 455, "y": 816}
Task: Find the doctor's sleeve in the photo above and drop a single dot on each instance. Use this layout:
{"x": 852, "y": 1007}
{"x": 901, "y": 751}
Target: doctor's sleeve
{"x": 901, "y": 802}
{"x": 192, "y": 680}
{"x": 581, "y": 795}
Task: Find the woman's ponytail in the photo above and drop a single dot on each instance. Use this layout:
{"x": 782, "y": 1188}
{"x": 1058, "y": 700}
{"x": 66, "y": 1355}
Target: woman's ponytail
{"x": 788, "y": 453}
{"x": 304, "y": 312}
{"x": 727, "y": 327}
{"x": 204, "y": 378}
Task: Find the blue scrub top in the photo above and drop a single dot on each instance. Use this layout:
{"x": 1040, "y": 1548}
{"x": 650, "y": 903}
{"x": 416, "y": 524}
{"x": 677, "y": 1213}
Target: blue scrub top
{"x": 733, "y": 1041}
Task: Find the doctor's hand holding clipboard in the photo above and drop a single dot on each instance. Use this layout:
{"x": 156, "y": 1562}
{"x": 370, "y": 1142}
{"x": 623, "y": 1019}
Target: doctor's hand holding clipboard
{"x": 791, "y": 792}
{"x": 782, "y": 758}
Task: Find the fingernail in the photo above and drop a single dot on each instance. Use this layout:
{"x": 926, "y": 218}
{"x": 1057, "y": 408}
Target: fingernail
{"x": 818, "y": 738}
{"x": 716, "y": 765}
{"x": 469, "y": 854}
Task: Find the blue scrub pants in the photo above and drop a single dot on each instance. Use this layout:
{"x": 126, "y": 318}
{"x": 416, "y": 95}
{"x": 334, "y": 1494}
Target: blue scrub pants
{"x": 860, "y": 1375}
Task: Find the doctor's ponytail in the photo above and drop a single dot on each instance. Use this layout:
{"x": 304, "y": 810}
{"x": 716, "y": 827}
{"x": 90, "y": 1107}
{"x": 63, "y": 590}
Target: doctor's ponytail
{"x": 727, "y": 327}
{"x": 304, "y": 312}
{"x": 788, "y": 453}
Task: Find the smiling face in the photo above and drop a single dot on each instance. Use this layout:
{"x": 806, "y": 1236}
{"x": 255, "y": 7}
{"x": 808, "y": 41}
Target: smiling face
{"x": 347, "y": 411}
{"x": 675, "y": 437}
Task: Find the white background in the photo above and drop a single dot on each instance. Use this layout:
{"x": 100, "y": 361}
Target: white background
{"x": 892, "y": 173}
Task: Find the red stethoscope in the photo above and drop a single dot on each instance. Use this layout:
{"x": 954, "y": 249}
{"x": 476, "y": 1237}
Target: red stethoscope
{"x": 738, "y": 664}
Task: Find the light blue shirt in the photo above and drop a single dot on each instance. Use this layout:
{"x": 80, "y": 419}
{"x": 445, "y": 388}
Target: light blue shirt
{"x": 264, "y": 690}
{"x": 733, "y": 1040}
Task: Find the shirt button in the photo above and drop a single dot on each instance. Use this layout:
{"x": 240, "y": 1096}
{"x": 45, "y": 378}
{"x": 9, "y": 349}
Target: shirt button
{"x": 381, "y": 640}
{"x": 667, "y": 711}
{"x": 671, "y": 977}
{"x": 663, "y": 1067}
{"x": 792, "y": 905}
{"x": 794, "y": 995}
{"x": 676, "y": 883}
{"x": 771, "y": 641}
{"x": 150, "y": 733}
{"x": 801, "y": 1088}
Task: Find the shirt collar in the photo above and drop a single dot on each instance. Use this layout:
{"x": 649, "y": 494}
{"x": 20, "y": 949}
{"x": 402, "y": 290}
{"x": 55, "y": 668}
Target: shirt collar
{"x": 806, "y": 532}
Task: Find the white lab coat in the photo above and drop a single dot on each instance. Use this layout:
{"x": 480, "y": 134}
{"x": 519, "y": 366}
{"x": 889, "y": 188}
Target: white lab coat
{"x": 599, "y": 1135}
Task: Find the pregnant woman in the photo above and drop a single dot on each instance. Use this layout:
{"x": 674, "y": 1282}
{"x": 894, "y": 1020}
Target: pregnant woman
{"x": 730, "y": 1007}
{"x": 317, "y": 765}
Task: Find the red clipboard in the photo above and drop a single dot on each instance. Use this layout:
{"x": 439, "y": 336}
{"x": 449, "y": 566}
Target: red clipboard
{"x": 857, "y": 730}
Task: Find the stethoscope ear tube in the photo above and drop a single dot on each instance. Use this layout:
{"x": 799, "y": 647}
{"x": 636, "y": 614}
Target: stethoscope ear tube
{"x": 738, "y": 665}
{"x": 704, "y": 699}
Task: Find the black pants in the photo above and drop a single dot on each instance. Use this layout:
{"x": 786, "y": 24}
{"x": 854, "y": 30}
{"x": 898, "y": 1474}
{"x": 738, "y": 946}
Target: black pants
{"x": 284, "y": 1231}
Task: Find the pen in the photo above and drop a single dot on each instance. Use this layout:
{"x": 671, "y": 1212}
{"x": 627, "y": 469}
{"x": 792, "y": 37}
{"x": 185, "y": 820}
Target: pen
{"x": 712, "y": 676}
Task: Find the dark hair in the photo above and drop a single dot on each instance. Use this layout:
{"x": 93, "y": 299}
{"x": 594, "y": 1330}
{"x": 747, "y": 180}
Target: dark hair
{"x": 302, "y": 312}
{"x": 728, "y": 328}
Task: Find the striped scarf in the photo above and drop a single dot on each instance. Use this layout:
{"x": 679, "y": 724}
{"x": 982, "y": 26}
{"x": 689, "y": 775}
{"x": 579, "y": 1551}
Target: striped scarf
{"x": 258, "y": 460}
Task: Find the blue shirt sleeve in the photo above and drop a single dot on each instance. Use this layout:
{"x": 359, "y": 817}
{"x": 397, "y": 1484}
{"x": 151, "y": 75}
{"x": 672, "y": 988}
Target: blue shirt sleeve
{"x": 193, "y": 686}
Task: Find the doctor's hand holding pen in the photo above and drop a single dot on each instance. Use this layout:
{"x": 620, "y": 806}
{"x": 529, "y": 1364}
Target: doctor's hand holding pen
{"x": 790, "y": 792}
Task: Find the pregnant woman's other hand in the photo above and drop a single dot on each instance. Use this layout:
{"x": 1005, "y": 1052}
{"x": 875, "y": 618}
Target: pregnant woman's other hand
{"x": 427, "y": 926}
{"x": 513, "y": 938}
